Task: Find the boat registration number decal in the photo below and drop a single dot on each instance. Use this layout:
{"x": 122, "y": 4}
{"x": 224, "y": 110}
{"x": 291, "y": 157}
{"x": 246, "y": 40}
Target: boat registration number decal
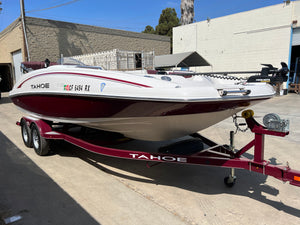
{"x": 71, "y": 87}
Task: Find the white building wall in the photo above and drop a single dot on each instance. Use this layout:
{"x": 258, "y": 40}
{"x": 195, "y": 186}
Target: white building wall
{"x": 240, "y": 41}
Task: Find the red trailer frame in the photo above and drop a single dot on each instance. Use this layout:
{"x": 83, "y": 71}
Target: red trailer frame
{"x": 36, "y": 133}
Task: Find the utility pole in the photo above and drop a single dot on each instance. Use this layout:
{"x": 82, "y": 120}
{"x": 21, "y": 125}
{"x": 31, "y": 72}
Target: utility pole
{"x": 22, "y": 9}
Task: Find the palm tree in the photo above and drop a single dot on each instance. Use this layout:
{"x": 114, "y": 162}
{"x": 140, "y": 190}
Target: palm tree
{"x": 187, "y": 12}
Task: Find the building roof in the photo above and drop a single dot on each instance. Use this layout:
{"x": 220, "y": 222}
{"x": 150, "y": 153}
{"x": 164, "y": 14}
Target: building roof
{"x": 93, "y": 29}
{"x": 185, "y": 59}
{"x": 10, "y": 27}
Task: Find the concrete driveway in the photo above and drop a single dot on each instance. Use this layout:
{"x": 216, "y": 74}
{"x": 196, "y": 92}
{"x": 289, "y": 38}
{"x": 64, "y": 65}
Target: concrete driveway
{"x": 74, "y": 186}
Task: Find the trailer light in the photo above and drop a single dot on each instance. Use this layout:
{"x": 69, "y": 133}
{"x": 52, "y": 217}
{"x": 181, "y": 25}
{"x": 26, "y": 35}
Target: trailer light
{"x": 296, "y": 178}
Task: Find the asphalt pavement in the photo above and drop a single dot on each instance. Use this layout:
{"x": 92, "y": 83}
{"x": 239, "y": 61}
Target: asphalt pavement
{"x": 73, "y": 186}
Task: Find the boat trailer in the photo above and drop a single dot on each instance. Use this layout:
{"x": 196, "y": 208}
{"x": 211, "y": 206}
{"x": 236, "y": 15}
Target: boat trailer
{"x": 38, "y": 133}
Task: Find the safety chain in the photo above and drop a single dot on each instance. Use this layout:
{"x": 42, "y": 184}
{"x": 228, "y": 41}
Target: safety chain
{"x": 238, "y": 125}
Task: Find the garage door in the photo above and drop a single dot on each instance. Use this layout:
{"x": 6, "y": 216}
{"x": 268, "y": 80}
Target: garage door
{"x": 17, "y": 60}
{"x": 296, "y": 37}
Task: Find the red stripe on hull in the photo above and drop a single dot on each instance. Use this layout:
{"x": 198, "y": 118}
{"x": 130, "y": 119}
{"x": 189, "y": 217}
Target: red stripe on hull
{"x": 93, "y": 107}
{"x": 88, "y": 75}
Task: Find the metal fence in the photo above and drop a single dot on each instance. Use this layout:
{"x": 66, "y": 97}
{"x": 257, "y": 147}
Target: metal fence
{"x": 119, "y": 60}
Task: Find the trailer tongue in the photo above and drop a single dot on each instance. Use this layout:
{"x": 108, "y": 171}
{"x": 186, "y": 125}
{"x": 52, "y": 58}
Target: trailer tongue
{"x": 38, "y": 133}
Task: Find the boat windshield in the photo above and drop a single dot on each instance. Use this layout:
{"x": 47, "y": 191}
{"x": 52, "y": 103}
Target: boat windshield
{"x": 70, "y": 61}
{"x": 90, "y": 67}
{"x": 75, "y": 62}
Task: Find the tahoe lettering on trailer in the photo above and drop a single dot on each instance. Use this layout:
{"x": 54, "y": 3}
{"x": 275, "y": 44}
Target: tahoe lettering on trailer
{"x": 158, "y": 158}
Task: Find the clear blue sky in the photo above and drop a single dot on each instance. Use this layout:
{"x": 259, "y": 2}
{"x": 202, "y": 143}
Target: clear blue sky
{"x": 131, "y": 15}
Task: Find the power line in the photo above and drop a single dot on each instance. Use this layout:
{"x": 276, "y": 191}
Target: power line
{"x": 52, "y": 7}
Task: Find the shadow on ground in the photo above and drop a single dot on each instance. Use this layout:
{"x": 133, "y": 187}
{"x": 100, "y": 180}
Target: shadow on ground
{"x": 29, "y": 192}
{"x": 200, "y": 179}
{"x": 5, "y": 100}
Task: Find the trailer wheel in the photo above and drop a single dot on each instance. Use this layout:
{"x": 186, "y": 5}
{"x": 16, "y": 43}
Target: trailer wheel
{"x": 229, "y": 181}
{"x": 40, "y": 144}
{"x": 26, "y": 134}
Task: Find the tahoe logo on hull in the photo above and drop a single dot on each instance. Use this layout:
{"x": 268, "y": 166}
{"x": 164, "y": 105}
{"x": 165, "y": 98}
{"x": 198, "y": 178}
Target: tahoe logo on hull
{"x": 42, "y": 85}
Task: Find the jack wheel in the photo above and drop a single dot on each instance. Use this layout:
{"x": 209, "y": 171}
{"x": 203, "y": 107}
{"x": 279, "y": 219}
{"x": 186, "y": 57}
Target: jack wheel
{"x": 26, "y": 134}
{"x": 229, "y": 181}
{"x": 40, "y": 144}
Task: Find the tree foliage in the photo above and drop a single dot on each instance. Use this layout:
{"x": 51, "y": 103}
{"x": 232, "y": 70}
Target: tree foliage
{"x": 149, "y": 30}
{"x": 167, "y": 20}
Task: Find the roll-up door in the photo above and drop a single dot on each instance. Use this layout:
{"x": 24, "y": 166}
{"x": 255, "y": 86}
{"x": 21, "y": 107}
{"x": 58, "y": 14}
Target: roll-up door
{"x": 17, "y": 60}
{"x": 296, "y": 37}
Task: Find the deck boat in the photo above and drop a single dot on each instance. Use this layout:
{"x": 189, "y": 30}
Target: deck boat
{"x": 140, "y": 106}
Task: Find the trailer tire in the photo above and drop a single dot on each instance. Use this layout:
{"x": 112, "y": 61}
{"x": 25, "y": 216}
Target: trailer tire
{"x": 40, "y": 144}
{"x": 26, "y": 134}
{"x": 229, "y": 181}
